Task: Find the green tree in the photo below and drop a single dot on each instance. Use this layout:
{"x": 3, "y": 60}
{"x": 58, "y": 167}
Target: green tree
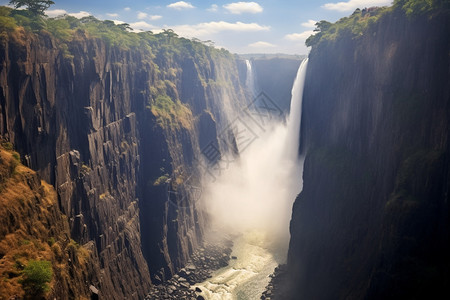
{"x": 37, "y": 275}
{"x": 421, "y": 7}
{"x": 321, "y": 27}
{"x": 37, "y": 7}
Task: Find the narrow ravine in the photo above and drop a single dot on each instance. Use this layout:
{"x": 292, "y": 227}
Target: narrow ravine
{"x": 253, "y": 197}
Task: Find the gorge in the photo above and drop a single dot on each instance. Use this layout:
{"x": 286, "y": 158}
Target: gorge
{"x": 122, "y": 153}
{"x": 260, "y": 186}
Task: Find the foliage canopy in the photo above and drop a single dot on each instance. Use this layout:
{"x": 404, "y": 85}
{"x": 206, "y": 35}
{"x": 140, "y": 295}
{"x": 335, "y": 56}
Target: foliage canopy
{"x": 420, "y": 7}
{"x": 357, "y": 23}
{"x": 37, "y": 7}
{"x": 353, "y": 25}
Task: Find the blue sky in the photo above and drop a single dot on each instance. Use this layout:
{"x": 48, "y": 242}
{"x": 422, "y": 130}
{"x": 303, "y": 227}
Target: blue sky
{"x": 260, "y": 26}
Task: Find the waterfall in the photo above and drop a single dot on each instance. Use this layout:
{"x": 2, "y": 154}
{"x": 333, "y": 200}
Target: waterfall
{"x": 295, "y": 114}
{"x": 253, "y": 197}
{"x": 250, "y": 80}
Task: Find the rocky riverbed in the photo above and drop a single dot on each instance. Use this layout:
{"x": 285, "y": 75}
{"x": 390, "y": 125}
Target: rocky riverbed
{"x": 212, "y": 256}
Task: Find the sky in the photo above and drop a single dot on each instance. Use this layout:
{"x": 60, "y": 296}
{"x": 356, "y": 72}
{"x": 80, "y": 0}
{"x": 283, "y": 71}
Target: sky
{"x": 260, "y": 26}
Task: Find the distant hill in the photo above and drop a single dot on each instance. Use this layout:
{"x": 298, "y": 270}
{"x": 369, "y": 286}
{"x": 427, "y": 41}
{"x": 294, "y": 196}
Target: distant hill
{"x": 270, "y": 56}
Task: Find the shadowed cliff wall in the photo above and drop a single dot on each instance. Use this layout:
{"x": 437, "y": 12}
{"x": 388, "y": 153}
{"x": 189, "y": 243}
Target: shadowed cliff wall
{"x": 372, "y": 219}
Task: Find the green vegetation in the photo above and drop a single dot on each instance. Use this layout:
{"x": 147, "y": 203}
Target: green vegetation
{"x": 85, "y": 169}
{"x": 24, "y": 242}
{"x": 7, "y": 146}
{"x": 420, "y": 7}
{"x": 16, "y": 155}
{"x": 7, "y": 23}
{"x": 37, "y": 276}
{"x": 161, "y": 54}
{"x": 11, "y": 19}
{"x": 171, "y": 114}
{"x": 51, "y": 241}
{"x": 161, "y": 49}
{"x": 161, "y": 180}
{"x": 36, "y": 7}
{"x": 354, "y": 25}
{"x": 64, "y": 28}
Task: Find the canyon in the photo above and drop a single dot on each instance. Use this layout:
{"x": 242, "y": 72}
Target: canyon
{"x": 112, "y": 144}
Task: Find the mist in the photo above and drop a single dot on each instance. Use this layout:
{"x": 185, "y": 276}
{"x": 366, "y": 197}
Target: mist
{"x": 256, "y": 191}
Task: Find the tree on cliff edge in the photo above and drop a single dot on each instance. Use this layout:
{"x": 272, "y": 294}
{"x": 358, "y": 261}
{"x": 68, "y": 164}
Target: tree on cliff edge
{"x": 37, "y": 7}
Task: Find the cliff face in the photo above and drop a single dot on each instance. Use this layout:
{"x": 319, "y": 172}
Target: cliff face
{"x": 372, "y": 219}
{"x": 275, "y": 77}
{"x": 116, "y": 132}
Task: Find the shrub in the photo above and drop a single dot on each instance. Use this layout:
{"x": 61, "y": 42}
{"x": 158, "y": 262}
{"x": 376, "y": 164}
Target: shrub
{"x": 37, "y": 275}
{"x": 7, "y": 145}
{"x": 51, "y": 241}
{"x": 171, "y": 114}
{"x": 16, "y": 156}
{"x": 161, "y": 180}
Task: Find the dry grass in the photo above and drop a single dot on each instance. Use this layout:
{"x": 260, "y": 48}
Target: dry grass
{"x": 31, "y": 227}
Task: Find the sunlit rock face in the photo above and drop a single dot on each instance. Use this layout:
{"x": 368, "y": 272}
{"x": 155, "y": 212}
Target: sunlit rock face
{"x": 372, "y": 219}
{"x": 92, "y": 125}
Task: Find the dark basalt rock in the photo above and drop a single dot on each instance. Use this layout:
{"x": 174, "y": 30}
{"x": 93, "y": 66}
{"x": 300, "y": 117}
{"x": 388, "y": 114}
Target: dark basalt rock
{"x": 205, "y": 260}
{"x": 372, "y": 221}
{"x": 277, "y": 287}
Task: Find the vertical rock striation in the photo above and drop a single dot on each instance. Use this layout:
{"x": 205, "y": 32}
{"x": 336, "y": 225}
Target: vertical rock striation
{"x": 91, "y": 126}
{"x": 372, "y": 219}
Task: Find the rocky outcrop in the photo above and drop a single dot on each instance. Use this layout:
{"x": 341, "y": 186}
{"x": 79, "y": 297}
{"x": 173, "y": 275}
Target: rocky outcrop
{"x": 116, "y": 132}
{"x": 372, "y": 221}
{"x": 213, "y": 255}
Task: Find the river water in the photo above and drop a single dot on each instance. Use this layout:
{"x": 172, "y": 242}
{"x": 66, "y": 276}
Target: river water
{"x": 246, "y": 276}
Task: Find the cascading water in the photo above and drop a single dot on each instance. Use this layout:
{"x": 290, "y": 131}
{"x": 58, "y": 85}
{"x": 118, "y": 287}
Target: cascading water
{"x": 253, "y": 197}
{"x": 295, "y": 113}
{"x": 250, "y": 80}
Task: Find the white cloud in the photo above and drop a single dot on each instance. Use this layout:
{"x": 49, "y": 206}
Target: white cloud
{"x": 112, "y": 15}
{"x": 243, "y": 7}
{"x": 180, "y": 5}
{"x": 213, "y": 8}
{"x": 142, "y": 15}
{"x": 55, "y": 12}
{"x": 309, "y": 24}
{"x": 141, "y": 25}
{"x": 127, "y": 9}
{"x": 80, "y": 14}
{"x": 208, "y": 29}
{"x": 118, "y": 22}
{"x": 155, "y": 17}
{"x": 299, "y": 36}
{"x": 58, "y": 12}
{"x": 261, "y": 44}
{"x": 353, "y": 4}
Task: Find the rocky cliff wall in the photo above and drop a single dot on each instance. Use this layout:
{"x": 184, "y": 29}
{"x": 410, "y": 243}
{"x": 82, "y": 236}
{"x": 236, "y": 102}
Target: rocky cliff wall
{"x": 116, "y": 131}
{"x": 275, "y": 77}
{"x": 372, "y": 219}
